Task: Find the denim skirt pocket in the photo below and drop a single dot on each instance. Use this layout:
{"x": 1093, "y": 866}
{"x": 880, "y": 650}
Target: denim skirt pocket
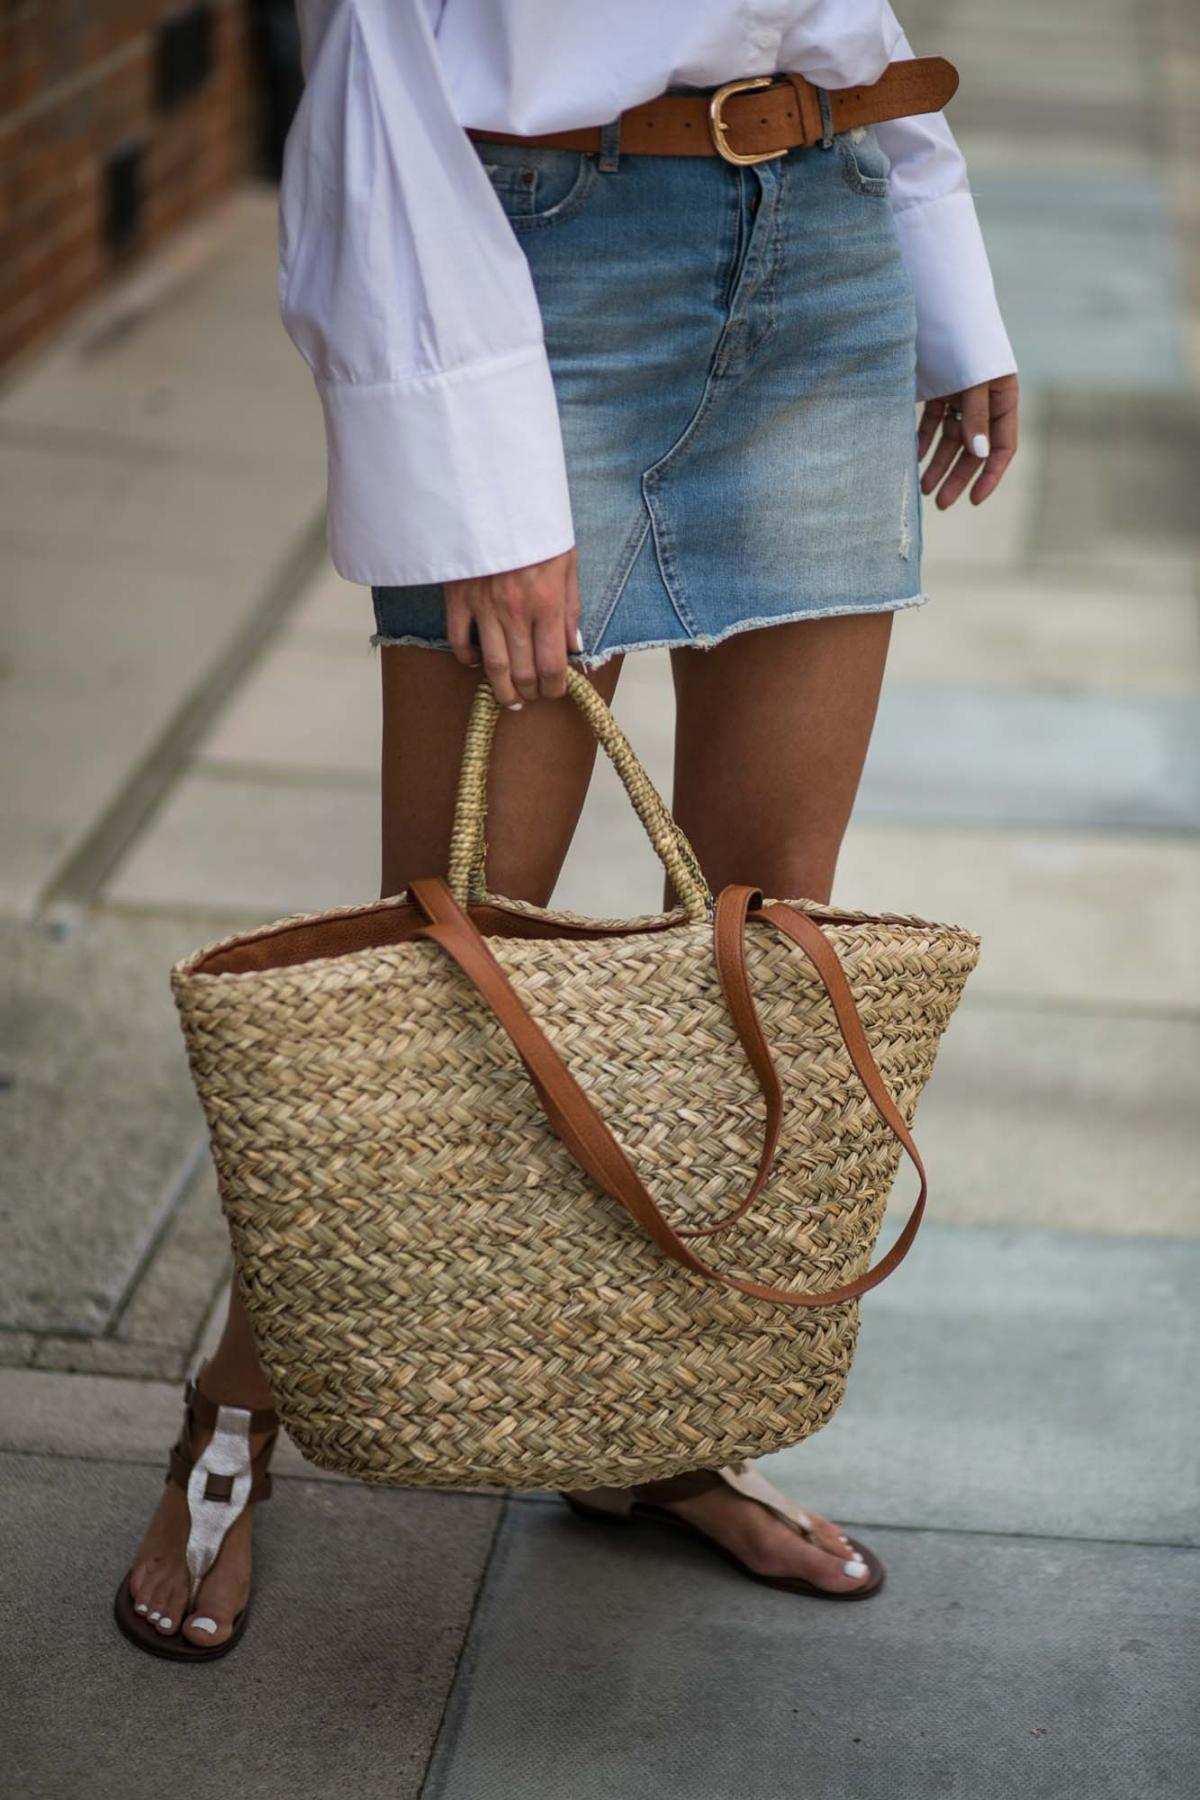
{"x": 865, "y": 164}
{"x": 537, "y": 186}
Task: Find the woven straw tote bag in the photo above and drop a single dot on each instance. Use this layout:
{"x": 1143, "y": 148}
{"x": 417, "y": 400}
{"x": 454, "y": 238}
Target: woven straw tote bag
{"x": 527, "y": 1199}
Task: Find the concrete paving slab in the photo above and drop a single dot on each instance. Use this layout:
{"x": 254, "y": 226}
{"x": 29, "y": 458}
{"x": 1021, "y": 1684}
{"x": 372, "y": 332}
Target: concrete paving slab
{"x": 604, "y": 1665}
{"x": 1119, "y": 476}
{"x": 99, "y": 1118}
{"x": 1074, "y": 137}
{"x": 1048, "y": 636}
{"x": 1087, "y": 273}
{"x": 1094, "y": 919}
{"x": 335, "y": 607}
{"x": 16, "y": 1348}
{"x": 255, "y": 848}
{"x": 1020, "y": 1381}
{"x": 111, "y": 505}
{"x": 361, "y": 1603}
{"x": 991, "y": 755}
{"x": 312, "y": 706}
{"x": 1101, "y": 1105}
{"x": 170, "y": 1302}
{"x": 98, "y": 658}
{"x": 108, "y": 1356}
{"x": 155, "y": 467}
{"x": 187, "y": 355}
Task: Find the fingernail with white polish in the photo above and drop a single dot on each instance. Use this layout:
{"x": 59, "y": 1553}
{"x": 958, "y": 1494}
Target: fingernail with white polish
{"x": 854, "y": 1569}
{"x": 979, "y": 445}
{"x": 515, "y": 705}
{"x": 209, "y": 1625}
{"x": 579, "y": 641}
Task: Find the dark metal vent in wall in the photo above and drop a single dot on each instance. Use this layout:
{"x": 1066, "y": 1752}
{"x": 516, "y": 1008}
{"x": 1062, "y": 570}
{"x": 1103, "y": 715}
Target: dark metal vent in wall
{"x": 184, "y": 56}
{"x": 123, "y": 186}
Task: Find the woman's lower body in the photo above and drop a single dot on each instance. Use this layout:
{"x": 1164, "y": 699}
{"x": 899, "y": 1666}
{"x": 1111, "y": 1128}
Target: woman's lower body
{"x": 733, "y": 353}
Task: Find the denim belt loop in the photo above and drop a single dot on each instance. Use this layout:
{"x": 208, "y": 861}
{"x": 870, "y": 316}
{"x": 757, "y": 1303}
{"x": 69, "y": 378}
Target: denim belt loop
{"x": 610, "y": 147}
{"x": 826, "y": 119}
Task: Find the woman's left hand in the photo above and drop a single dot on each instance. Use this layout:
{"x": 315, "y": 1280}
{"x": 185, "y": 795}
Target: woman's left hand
{"x": 978, "y": 439}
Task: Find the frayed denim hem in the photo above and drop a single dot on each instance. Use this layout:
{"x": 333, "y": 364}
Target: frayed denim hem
{"x": 709, "y": 640}
{"x": 381, "y": 641}
{"x": 703, "y": 641}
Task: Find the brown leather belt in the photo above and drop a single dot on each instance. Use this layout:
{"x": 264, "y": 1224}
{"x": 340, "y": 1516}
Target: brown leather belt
{"x": 761, "y": 117}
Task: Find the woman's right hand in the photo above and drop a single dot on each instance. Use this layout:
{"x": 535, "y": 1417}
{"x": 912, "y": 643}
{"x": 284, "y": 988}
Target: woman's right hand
{"x": 527, "y": 621}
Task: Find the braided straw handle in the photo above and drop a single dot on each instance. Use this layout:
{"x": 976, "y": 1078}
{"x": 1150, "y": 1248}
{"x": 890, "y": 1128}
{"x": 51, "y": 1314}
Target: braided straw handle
{"x": 468, "y": 845}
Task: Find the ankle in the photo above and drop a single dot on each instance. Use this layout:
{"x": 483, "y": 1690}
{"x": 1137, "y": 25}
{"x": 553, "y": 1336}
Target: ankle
{"x": 233, "y": 1384}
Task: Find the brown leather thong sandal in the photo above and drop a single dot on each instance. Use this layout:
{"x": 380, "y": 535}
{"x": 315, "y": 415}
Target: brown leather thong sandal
{"x": 629, "y": 1506}
{"x": 219, "y": 1484}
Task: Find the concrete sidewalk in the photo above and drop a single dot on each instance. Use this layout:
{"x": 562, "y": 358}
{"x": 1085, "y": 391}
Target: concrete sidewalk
{"x": 190, "y": 737}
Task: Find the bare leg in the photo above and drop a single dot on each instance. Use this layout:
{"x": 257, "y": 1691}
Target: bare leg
{"x": 772, "y": 730}
{"x": 771, "y": 735}
{"x": 541, "y": 767}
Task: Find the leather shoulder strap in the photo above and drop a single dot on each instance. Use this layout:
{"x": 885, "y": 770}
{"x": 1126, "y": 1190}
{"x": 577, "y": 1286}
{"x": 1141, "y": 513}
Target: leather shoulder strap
{"x": 588, "y": 1139}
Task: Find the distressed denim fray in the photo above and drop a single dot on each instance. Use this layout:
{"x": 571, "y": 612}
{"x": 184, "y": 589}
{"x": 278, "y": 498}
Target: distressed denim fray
{"x": 733, "y": 351}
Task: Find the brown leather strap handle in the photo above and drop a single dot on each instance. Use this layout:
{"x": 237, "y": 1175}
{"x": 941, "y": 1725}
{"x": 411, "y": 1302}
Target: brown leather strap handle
{"x": 585, "y": 1135}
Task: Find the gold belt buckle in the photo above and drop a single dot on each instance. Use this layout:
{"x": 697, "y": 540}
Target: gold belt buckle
{"x": 719, "y": 130}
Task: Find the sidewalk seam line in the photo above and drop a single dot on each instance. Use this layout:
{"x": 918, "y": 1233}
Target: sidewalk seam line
{"x": 168, "y": 1211}
{"x": 87, "y": 868}
{"x": 458, "y": 1690}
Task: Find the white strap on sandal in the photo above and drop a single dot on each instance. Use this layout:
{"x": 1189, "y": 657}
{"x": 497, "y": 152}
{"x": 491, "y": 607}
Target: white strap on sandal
{"x": 745, "y": 1479}
{"x": 226, "y": 1456}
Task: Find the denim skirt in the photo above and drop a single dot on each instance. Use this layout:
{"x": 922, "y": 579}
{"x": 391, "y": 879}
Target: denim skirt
{"x": 733, "y": 353}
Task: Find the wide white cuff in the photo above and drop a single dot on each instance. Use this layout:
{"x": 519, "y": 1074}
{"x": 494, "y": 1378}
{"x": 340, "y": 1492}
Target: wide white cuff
{"x": 441, "y": 477}
{"x": 961, "y": 338}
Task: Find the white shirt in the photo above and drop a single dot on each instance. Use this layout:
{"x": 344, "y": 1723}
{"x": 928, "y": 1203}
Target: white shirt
{"x": 404, "y": 287}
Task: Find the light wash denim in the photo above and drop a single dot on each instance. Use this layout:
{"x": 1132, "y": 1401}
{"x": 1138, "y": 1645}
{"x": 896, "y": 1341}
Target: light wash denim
{"x": 733, "y": 351}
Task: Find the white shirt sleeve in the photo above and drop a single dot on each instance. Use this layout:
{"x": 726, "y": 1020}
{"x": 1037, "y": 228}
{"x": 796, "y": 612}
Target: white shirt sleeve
{"x": 961, "y": 338}
{"x": 405, "y": 290}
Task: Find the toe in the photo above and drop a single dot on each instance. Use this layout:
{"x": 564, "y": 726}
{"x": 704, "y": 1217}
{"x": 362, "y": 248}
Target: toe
{"x": 140, "y": 1578}
{"x": 839, "y": 1573}
{"x": 159, "y": 1596}
{"x": 201, "y": 1628}
{"x": 830, "y": 1537}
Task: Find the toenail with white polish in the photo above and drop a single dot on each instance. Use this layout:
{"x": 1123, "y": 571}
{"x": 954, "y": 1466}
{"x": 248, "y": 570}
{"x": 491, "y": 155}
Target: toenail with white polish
{"x": 156, "y": 1617}
{"x": 855, "y": 1569}
{"x": 164, "y": 1624}
{"x": 204, "y": 1625}
{"x": 141, "y": 1607}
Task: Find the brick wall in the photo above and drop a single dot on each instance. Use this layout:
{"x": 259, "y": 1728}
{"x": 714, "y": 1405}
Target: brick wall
{"x": 119, "y": 119}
